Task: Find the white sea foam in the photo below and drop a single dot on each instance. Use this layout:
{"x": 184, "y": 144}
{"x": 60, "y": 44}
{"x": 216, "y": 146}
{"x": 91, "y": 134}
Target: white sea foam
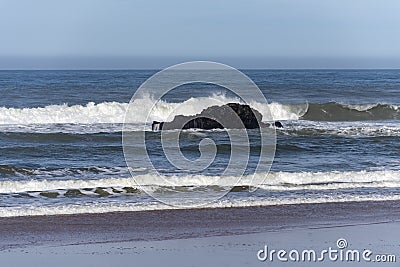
{"x": 343, "y": 128}
{"x": 317, "y": 182}
{"x": 114, "y": 112}
{"x": 109, "y": 116}
{"x": 276, "y": 181}
{"x": 108, "y": 112}
{"x": 37, "y": 210}
{"x": 361, "y": 107}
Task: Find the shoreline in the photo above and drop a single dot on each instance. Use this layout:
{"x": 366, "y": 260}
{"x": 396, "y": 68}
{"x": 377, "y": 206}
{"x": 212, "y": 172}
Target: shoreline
{"x": 174, "y": 224}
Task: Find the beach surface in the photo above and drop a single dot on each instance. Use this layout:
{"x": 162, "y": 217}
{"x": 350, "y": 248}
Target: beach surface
{"x": 200, "y": 237}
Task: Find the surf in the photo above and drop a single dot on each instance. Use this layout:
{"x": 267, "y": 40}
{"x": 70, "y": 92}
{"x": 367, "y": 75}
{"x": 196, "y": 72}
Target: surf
{"x": 114, "y": 112}
{"x": 274, "y": 181}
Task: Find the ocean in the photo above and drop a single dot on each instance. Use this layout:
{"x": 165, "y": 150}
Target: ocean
{"x": 61, "y": 140}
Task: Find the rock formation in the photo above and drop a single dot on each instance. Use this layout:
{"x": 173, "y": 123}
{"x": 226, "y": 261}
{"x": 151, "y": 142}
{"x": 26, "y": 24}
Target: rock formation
{"x": 218, "y": 117}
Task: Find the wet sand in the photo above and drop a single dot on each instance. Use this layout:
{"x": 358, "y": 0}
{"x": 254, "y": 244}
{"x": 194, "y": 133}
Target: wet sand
{"x": 19, "y": 232}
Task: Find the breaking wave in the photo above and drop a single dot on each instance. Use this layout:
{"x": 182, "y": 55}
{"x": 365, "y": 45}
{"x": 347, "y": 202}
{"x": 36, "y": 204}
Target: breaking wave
{"x": 279, "y": 188}
{"x": 276, "y": 181}
{"x": 114, "y": 112}
{"x": 341, "y": 112}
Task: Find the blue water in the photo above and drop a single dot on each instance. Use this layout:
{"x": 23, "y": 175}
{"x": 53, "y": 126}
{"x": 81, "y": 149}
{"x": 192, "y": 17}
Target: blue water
{"x": 341, "y": 132}
{"x": 21, "y": 89}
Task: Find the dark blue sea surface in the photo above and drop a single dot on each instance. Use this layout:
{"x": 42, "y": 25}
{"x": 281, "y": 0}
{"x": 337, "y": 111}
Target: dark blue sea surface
{"x": 23, "y": 89}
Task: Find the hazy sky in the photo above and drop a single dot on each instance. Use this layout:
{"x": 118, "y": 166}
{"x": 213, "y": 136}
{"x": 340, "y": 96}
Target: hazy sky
{"x": 156, "y": 33}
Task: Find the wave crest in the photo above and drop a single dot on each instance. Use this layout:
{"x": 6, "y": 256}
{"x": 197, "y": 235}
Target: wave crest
{"x": 114, "y": 112}
{"x": 276, "y": 181}
{"x": 333, "y": 111}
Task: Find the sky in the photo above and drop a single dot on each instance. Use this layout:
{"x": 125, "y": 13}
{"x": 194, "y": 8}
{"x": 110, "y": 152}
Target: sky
{"x": 112, "y": 34}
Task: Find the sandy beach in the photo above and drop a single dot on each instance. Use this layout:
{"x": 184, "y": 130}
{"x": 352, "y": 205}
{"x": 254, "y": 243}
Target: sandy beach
{"x": 199, "y": 237}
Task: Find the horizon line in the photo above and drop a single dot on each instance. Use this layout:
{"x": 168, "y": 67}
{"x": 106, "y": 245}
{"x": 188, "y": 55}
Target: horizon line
{"x": 159, "y": 69}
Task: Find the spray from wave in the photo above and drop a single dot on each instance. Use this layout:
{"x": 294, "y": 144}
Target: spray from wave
{"x": 114, "y": 112}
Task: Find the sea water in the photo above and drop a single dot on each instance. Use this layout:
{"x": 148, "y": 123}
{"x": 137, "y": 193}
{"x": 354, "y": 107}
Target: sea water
{"x": 61, "y": 131}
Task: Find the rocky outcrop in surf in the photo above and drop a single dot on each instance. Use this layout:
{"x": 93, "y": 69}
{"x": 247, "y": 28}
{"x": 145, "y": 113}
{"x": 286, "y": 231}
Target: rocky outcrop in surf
{"x": 218, "y": 117}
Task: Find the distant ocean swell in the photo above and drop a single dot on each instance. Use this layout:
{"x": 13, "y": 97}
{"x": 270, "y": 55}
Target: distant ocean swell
{"x": 114, "y": 112}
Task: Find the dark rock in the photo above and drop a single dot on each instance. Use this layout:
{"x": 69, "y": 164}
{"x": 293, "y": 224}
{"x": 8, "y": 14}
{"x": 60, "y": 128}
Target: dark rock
{"x": 212, "y": 117}
{"x": 116, "y": 191}
{"x": 101, "y": 192}
{"x": 73, "y": 193}
{"x": 240, "y": 188}
{"x": 278, "y": 124}
{"x": 131, "y": 190}
{"x": 49, "y": 194}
